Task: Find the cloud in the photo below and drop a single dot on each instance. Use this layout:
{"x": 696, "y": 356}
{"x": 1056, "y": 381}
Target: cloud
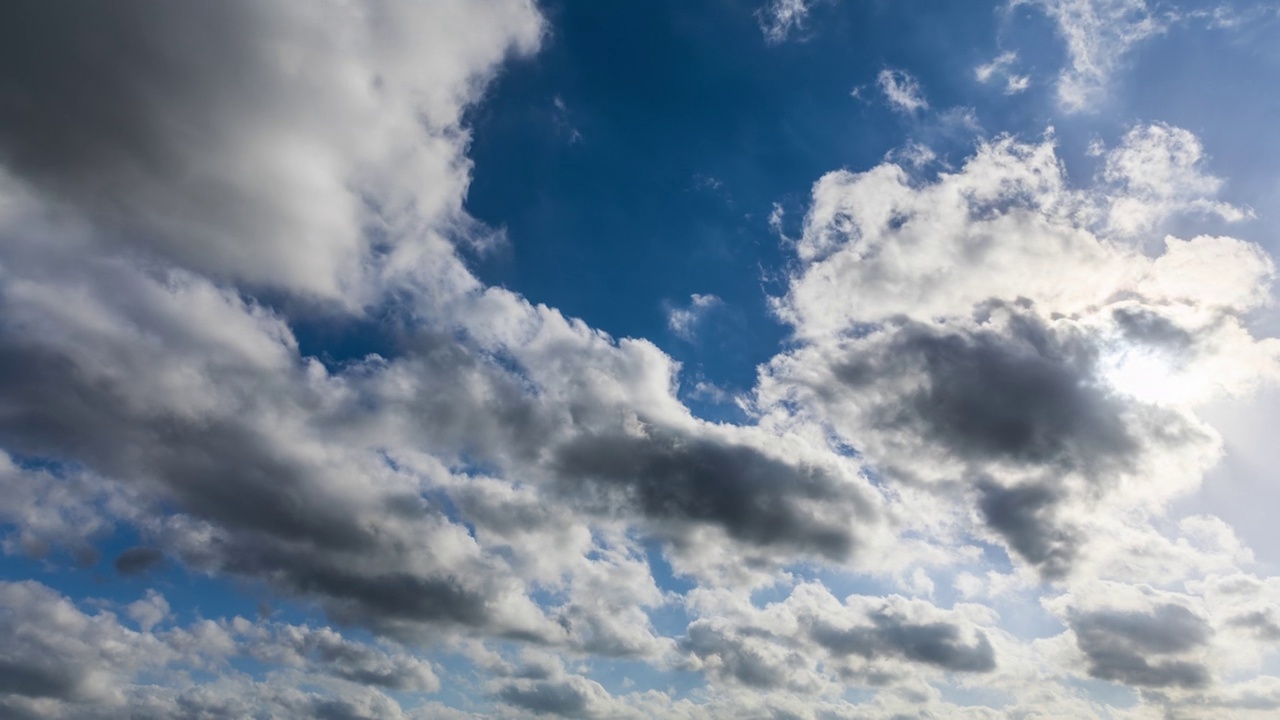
{"x": 565, "y": 698}
{"x": 138, "y": 560}
{"x": 393, "y": 492}
{"x": 63, "y": 662}
{"x": 269, "y": 166}
{"x": 779, "y": 19}
{"x": 1119, "y": 646}
{"x": 999, "y": 67}
{"x": 329, "y": 652}
{"x": 47, "y": 510}
{"x": 937, "y": 644}
{"x": 902, "y": 90}
{"x": 812, "y": 643}
{"x": 1098, "y": 34}
{"x": 755, "y": 498}
{"x": 967, "y": 368}
{"x": 684, "y": 321}
{"x": 1156, "y": 172}
{"x": 1023, "y": 516}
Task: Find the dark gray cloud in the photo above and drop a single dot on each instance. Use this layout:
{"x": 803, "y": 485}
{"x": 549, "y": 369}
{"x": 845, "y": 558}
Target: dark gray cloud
{"x": 672, "y": 477}
{"x": 939, "y": 644}
{"x": 1017, "y": 396}
{"x": 1025, "y": 393}
{"x": 548, "y": 697}
{"x": 138, "y": 560}
{"x": 278, "y": 516}
{"x": 1261, "y": 622}
{"x": 1127, "y": 646}
{"x": 35, "y": 677}
{"x": 1024, "y": 517}
{"x": 750, "y": 663}
{"x": 335, "y": 655}
{"x": 220, "y": 468}
{"x": 1147, "y": 327}
{"x": 120, "y": 110}
{"x": 16, "y": 709}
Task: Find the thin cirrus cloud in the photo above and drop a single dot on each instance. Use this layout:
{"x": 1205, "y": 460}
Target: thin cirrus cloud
{"x": 503, "y": 511}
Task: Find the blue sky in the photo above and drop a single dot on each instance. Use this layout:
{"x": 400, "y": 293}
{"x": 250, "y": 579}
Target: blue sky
{"x": 753, "y": 358}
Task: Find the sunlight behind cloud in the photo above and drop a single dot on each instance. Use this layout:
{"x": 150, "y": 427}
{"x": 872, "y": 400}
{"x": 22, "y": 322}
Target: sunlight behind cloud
{"x": 1148, "y": 376}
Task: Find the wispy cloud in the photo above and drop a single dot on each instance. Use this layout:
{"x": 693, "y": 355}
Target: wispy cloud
{"x": 684, "y": 321}
{"x": 1000, "y": 68}
{"x": 901, "y": 90}
{"x": 781, "y": 19}
{"x": 1098, "y": 35}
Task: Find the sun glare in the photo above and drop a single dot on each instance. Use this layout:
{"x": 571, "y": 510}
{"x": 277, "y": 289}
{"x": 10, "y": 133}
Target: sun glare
{"x": 1146, "y": 376}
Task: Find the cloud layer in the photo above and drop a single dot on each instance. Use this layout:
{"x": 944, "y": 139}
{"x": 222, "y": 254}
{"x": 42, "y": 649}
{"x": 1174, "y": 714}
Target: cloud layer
{"x": 505, "y": 499}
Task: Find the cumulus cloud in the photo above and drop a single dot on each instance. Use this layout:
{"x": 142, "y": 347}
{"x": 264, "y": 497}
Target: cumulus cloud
{"x": 983, "y": 330}
{"x": 1157, "y": 172}
{"x": 408, "y": 494}
{"x": 1119, "y": 645}
{"x": 249, "y": 142}
{"x": 63, "y": 662}
{"x": 812, "y": 643}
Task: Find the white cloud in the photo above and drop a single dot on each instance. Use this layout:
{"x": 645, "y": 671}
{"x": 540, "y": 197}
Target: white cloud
{"x": 1098, "y": 34}
{"x": 684, "y": 321}
{"x": 1157, "y": 173}
{"x": 902, "y": 90}
{"x": 1000, "y": 67}
{"x": 781, "y": 18}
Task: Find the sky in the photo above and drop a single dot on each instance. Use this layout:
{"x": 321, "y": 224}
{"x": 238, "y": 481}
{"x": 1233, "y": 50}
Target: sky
{"x": 803, "y": 359}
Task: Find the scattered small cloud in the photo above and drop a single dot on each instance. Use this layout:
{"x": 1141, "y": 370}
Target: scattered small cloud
{"x": 780, "y": 19}
{"x": 913, "y": 154}
{"x": 684, "y": 321}
{"x": 902, "y": 90}
{"x": 563, "y": 121}
{"x": 707, "y": 182}
{"x": 1001, "y": 68}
